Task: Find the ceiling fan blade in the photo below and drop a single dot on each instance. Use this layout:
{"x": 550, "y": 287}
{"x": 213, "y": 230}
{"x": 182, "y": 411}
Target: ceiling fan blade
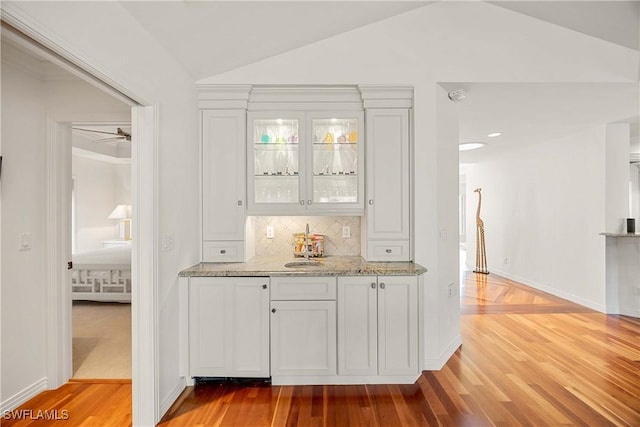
{"x": 97, "y": 131}
{"x": 111, "y": 139}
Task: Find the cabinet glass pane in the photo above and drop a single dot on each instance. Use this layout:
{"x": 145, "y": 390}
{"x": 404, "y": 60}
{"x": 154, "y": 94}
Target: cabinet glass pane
{"x": 335, "y": 160}
{"x": 276, "y": 160}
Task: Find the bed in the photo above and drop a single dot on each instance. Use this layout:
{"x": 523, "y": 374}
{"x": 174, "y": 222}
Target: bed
{"x": 102, "y": 275}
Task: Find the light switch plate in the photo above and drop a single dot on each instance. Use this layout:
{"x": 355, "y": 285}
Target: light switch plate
{"x": 24, "y": 241}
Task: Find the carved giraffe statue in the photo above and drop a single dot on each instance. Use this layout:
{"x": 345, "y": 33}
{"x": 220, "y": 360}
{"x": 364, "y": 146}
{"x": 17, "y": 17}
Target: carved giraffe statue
{"x": 481, "y": 253}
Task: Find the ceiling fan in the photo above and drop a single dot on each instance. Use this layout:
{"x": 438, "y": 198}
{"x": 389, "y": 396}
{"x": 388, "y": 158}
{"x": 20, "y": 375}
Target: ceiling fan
{"x": 118, "y": 135}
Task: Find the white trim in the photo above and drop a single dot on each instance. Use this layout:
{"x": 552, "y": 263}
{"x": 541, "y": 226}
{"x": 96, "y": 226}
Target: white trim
{"x": 144, "y": 265}
{"x": 555, "y": 292}
{"x": 22, "y": 29}
{"x": 343, "y": 379}
{"x": 438, "y": 364}
{"x": 58, "y": 251}
{"x": 172, "y": 396}
{"x": 23, "y": 395}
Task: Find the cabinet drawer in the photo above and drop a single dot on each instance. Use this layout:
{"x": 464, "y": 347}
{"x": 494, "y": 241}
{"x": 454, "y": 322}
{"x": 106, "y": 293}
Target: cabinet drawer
{"x": 227, "y": 251}
{"x": 388, "y": 250}
{"x": 303, "y": 288}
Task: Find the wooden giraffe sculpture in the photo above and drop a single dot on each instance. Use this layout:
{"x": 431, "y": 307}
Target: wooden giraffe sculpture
{"x": 481, "y": 253}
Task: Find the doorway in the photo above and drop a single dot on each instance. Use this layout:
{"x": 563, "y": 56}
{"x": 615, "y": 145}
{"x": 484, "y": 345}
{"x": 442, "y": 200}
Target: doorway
{"x": 48, "y": 313}
{"x": 101, "y": 250}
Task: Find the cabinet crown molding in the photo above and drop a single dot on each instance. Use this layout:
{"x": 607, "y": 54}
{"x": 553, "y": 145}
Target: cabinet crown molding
{"x": 385, "y": 96}
{"x": 223, "y": 96}
{"x": 294, "y": 98}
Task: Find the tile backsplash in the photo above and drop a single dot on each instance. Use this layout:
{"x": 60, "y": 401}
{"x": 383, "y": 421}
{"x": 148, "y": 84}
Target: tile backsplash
{"x": 285, "y": 226}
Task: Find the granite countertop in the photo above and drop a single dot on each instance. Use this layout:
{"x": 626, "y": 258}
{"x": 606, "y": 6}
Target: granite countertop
{"x": 330, "y": 266}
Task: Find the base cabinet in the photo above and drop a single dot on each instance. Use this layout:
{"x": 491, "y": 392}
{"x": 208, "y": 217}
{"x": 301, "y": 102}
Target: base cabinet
{"x": 378, "y": 325}
{"x": 303, "y": 326}
{"x": 303, "y": 338}
{"x": 229, "y": 327}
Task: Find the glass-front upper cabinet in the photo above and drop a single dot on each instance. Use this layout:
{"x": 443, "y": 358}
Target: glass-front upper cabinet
{"x": 336, "y": 161}
{"x": 305, "y": 163}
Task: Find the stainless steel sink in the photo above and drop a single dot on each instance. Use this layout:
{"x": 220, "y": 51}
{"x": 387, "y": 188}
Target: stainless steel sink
{"x": 303, "y": 264}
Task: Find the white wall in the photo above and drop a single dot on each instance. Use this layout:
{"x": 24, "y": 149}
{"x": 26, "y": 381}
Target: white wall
{"x": 107, "y": 38}
{"x": 543, "y": 209}
{"x": 23, "y": 294}
{"x": 99, "y": 187}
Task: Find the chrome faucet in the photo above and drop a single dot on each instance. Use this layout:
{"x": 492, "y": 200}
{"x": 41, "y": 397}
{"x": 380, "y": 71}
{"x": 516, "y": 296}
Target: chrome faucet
{"x": 306, "y": 243}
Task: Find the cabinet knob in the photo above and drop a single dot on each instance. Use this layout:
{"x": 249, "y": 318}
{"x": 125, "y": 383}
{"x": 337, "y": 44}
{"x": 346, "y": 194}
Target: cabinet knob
{"x": 223, "y": 251}
{"x": 388, "y": 251}
{"x": 373, "y": 285}
{"x": 264, "y": 286}
{"x": 302, "y": 202}
{"x": 309, "y": 202}
{"x": 370, "y": 201}
{"x": 239, "y": 202}
{"x": 381, "y": 285}
{"x": 273, "y": 310}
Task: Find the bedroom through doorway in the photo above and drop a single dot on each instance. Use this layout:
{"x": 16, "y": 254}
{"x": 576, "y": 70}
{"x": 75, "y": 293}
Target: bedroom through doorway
{"x": 101, "y": 250}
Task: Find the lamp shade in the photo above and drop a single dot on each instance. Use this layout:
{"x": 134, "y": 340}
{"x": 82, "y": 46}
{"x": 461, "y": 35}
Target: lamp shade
{"x": 120, "y": 212}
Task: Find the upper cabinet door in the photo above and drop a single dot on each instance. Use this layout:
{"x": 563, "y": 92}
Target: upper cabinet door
{"x": 305, "y": 163}
{"x": 335, "y": 168}
{"x": 223, "y": 174}
{"x": 388, "y": 174}
{"x": 275, "y": 162}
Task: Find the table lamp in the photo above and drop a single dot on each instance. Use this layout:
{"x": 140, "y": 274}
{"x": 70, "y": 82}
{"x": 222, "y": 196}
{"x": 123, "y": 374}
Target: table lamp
{"x": 122, "y": 213}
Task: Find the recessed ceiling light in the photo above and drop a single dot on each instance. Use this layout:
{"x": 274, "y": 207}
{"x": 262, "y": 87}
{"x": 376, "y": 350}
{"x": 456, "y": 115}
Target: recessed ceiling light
{"x": 494, "y": 134}
{"x": 466, "y": 146}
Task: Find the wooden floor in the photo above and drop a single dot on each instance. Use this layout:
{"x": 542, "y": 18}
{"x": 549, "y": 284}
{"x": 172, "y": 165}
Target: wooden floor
{"x": 527, "y": 359}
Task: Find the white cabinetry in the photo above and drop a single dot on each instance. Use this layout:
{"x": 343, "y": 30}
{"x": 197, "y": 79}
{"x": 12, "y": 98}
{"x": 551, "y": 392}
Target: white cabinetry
{"x": 387, "y": 223}
{"x": 378, "y": 325}
{"x": 305, "y": 162}
{"x": 223, "y": 185}
{"x": 228, "y": 327}
{"x": 387, "y": 220}
{"x": 303, "y": 328}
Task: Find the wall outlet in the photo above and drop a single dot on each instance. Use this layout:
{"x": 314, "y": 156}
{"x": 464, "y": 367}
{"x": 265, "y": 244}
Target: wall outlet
{"x": 269, "y": 231}
{"x": 506, "y": 261}
{"x": 168, "y": 242}
{"x": 346, "y": 231}
{"x": 451, "y": 289}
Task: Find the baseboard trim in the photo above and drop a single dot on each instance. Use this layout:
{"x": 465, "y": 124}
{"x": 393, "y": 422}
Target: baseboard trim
{"x": 553, "y": 291}
{"x": 24, "y": 395}
{"x": 166, "y": 403}
{"x": 439, "y": 362}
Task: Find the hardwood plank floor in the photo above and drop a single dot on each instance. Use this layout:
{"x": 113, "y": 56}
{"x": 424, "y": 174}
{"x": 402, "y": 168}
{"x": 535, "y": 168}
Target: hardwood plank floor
{"x": 528, "y": 359}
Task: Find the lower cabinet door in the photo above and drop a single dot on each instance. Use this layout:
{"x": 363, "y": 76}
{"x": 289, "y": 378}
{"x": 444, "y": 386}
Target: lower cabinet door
{"x": 229, "y": 327}
{"x": 397, "y": 325}
{"x": 303, "y": 338}
{"x": 358, "y": 325}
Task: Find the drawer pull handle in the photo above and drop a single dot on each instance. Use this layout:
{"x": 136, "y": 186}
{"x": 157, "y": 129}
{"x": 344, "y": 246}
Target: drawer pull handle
{"x": 273, "y": 310}
{"x": 223, "y": 251}
{"x": 239, "y": 202}
{"x": 388, "y": 251}
{"x": 373, "y": 285}
{"x": 302, "y": 202}
{"x": 309, "y": 202}
{"x": 370, "y": 201}
{"x": 381, "y": 285}
{"x": 264, "y": 286}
